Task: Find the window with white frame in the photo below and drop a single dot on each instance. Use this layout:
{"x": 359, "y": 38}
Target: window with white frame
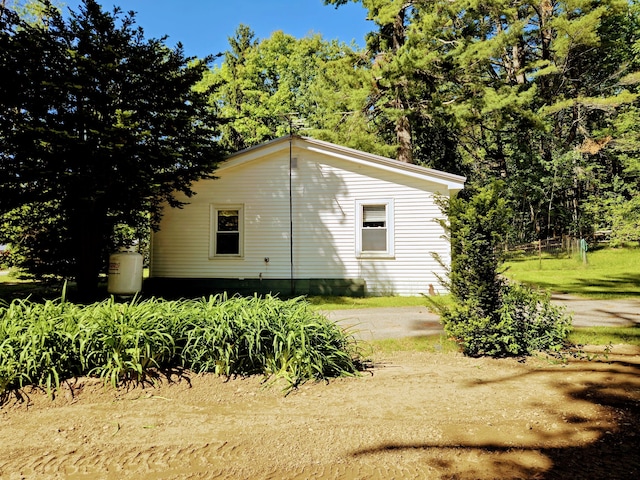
{"x": 374, "y": 228}
{"x": 226, "y": 231}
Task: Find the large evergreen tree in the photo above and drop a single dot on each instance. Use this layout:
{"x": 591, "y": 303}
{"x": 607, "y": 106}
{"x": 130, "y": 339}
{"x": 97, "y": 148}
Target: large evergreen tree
{"x": 390, "y": 81}
{"x": 536, "y": 93}
{"x": 532, "y": 86}
{"x": 98, "y": 127}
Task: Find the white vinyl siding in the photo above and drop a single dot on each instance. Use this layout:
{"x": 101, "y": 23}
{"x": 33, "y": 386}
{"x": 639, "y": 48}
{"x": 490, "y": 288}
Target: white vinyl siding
{"x": 325, "y": 197}
{"x": 182, "y": 246}
{"x": 325, "y": 226}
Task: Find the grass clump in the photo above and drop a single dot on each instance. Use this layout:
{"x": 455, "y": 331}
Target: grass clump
{"x": 45, "y": 343}
{"x": 606, "y": 336}
{"x": 123, "y": 341}
{"x": 245, "y": 336}
{"x": 37, "y": 352}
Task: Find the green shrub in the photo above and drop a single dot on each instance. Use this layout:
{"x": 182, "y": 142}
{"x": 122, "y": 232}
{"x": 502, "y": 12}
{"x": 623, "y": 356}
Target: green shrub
{"x": 477, "y": 227}
{"x": 491, "y": 316}
{"x": 525, "y": 322}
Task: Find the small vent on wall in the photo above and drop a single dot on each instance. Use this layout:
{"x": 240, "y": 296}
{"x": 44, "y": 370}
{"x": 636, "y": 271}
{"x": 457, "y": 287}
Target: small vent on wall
{"x": 294, "y": 162}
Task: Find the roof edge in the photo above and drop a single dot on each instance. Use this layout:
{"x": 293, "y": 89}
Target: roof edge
{"x": 454, "y": 182}
{"x": 451, "y": 177}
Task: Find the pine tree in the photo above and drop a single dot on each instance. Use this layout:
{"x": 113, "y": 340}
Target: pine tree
{"x": 98, "y": 127}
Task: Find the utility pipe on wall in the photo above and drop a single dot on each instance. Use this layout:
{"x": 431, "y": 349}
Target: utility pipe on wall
{"x": 291, "y": 208}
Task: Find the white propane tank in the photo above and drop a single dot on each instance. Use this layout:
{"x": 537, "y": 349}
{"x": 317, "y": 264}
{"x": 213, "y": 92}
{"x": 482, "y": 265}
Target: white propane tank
{"x": 125, "y": 273}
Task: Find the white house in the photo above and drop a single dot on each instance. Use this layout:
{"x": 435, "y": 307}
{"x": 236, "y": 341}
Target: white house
{"x": 298, "y": 215}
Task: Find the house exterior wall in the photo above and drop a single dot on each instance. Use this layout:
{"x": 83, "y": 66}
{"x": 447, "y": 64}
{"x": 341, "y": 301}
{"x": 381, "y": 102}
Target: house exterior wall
{"x": 325, "y": 192}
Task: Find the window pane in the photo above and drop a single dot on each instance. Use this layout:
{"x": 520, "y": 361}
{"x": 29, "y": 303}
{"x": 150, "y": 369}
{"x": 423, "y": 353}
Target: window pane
{"x": 374, "y": 240}
{"x": 228, "y": 220}
{"x": 374, "y": 216}
{"x": 227, "y": 243}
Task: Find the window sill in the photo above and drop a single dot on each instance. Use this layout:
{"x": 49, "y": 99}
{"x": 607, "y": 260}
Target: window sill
{"x": 376, "y": 256}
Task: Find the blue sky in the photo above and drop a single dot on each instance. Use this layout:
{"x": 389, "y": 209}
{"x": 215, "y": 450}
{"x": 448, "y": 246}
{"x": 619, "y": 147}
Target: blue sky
{"x": 203, "y": 26}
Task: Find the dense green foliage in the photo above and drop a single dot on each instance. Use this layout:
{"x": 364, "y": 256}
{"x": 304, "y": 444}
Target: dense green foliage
{"x": 45, "y": 343}
{"x": 491, "y": 316}
{"x": 99, "y": 127}
{"x": 541, "y": 95}
{"x": 282, "y": 85}
{"x": 525, "y": 322}
{"x": 476, "y": 229}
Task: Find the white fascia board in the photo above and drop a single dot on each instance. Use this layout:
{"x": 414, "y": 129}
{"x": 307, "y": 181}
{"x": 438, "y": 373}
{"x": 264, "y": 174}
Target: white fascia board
{"x": 253, "y": 153}
{"x": 452, "y": 182}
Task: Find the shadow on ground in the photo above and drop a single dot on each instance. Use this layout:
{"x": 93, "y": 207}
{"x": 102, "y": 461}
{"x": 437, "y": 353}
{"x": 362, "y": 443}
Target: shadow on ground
{"x": 613, "y": 454}
{"x": 622, "y": 286}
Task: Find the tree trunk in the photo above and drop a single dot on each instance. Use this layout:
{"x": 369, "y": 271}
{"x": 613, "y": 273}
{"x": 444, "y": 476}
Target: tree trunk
{"x": 545, "y": 14}
{"x": 403, "y": 137}
{"x": 87, "y": 238}
{"x": 403, "y": 126}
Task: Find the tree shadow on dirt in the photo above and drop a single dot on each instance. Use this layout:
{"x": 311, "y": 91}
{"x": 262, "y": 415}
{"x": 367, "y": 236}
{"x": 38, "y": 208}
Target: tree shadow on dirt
{"x": 614, "y": 454}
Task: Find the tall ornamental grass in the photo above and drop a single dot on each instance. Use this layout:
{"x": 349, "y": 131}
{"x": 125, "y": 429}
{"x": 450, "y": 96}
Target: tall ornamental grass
{"x": 264, "y": 335}
{"x": 43, "y": 344}
{"x": 37, "y": 343}
{"x": 122, "y": 341}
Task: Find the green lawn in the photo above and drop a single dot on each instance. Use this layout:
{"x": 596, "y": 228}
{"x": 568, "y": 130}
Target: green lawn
{"x": 608, "y": 273}
{"x": 606, "y": 335}
{"x": 429, "y": 343}
{"x": 348, "y": 303}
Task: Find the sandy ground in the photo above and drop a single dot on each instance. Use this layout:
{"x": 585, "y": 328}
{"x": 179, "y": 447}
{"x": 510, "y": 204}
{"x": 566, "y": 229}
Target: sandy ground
{"x": 414, "y": 415}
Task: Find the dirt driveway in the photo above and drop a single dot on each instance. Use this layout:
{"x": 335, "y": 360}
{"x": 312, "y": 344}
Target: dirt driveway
{"x": 414, "y": 415}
